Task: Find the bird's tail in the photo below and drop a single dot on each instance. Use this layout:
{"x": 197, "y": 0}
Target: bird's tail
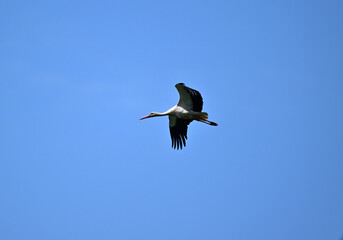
{"x": 203, "y": 117}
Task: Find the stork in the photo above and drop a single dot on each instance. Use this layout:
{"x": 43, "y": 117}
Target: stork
{"x": 182, "y": 114}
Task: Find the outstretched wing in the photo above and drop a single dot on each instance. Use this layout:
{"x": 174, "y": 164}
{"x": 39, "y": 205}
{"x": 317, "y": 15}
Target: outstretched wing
{"x": 190, "y": 99}
{"x": 178, "y": 131}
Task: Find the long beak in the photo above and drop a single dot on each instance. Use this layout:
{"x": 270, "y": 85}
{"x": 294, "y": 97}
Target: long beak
{"x": 145, "y": 117}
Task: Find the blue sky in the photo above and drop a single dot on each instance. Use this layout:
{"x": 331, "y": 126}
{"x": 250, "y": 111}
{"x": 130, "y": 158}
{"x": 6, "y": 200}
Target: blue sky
{"x": 76, "y": 163}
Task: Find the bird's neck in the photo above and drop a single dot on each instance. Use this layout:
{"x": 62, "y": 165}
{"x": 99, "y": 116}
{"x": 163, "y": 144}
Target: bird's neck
{"x": 166, "y": 113}
{"x": 162, "y": 114}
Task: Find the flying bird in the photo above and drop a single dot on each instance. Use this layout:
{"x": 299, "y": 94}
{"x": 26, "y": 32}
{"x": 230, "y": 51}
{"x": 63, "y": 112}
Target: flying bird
{"x": 182, "y": 114}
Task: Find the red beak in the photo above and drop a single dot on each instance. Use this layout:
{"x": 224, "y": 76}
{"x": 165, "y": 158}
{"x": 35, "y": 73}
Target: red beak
{"x": 145, "y": 117}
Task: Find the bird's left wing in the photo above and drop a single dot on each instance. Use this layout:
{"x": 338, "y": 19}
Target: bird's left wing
{"x": 178, "y": 131}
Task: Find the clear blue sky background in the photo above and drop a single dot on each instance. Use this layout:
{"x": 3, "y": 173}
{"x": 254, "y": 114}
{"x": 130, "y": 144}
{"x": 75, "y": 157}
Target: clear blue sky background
{"x": 76, "y": 163}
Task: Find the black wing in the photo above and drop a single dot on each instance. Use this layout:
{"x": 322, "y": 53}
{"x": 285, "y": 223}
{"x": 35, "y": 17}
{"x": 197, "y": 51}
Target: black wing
{"x": 178, "y": 131}
{"x": 189, "y": 98}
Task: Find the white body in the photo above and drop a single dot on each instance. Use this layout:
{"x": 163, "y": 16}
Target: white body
{"x": 180, "y": 112}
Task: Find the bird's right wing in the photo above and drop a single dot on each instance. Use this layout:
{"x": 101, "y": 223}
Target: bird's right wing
{"x": 190, "y": 99}
{"x": 178, "y": 131}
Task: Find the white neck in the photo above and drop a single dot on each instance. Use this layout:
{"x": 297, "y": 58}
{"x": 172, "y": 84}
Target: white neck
{"x": 161, "y": 114}
{"x": 166, "y": 112}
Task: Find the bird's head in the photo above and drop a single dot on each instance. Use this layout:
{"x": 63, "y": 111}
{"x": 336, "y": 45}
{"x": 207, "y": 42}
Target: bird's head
{"x": 153, "y": 114}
